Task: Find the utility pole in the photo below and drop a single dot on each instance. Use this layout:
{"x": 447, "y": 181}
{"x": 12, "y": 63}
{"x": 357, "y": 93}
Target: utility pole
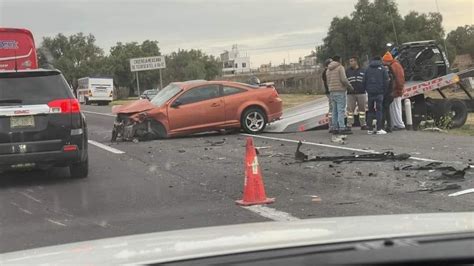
{"x": 444, "y": 39}
{"x": 393, "y": 25}
{"x": 138, "y": 84}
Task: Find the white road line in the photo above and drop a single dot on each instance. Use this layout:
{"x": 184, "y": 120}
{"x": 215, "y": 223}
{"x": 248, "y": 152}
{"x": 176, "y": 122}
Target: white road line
{"x": 335, "y": 147}
{"x": 97, "y": 113}
{"x": 30, "y": 197}
{"x": 105, "y": 147}
{"x": 462, "y": 192}
{"x": 55, "y": 222}
{"x": 271, "y": 213}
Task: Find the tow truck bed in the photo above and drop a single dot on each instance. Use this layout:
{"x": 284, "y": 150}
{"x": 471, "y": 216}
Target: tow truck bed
{"x": 314, "y": 114}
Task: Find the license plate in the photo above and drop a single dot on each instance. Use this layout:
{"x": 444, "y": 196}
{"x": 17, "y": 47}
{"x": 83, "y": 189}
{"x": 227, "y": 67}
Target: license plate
{"x": 22, "y": 121}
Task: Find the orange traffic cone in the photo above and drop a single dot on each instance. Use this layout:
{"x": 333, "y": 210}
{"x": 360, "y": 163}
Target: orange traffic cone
{"x": 254, "y": 190}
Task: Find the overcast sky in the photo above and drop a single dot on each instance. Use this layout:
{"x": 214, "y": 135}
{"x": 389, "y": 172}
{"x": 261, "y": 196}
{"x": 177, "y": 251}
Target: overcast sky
{"x": 266, "y": 30}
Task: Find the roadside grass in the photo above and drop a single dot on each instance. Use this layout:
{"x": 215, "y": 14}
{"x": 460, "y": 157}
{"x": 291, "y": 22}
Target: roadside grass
{"x": 467, "y": 129}
{"x": 123, "y": 101}
{"x": 291, "y": 100}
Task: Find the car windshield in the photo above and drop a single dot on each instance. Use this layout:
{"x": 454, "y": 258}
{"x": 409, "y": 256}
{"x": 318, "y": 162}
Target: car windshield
{"x": 285, "y": 120}
{"x": 165, "y": 94}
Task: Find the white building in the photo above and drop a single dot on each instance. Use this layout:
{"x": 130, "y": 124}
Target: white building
{"x": 233, "y": 63}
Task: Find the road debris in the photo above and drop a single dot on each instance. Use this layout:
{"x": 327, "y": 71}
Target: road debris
{"x": 376, "y": 157}
{"x": 441, "y": 172}
{"x": 435, "y": 129}
{"x": 181, "y": 150}
{"x": 300, "y": 156}
{"x": 340, "y": 139}
{"x": 346, "y": 203}
{"x": 217, "y": 143}
{"x": 437, "y": 186}
{"x": 462, "y": 192}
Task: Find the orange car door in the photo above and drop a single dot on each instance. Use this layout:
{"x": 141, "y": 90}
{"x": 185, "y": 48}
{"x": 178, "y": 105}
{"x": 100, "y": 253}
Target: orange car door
{"x": 234, "y": 98}
{"x": 197, "y": 109}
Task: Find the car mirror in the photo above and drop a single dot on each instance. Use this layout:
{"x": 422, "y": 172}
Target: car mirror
{"x": 176, "y": 104}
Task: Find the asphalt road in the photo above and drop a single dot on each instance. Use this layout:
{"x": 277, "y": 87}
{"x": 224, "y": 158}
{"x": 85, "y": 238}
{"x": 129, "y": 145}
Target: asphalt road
{"x": 193, "y": 182}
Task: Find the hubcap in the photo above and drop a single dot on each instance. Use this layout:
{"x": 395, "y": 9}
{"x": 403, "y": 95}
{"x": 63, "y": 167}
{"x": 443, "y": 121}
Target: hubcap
{"x": 254, "y": 121}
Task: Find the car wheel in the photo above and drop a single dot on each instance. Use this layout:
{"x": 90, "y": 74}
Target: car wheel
{"x": 459, "y": 113}
{"x": 79, "y": 170}
{"x": 158, "y": 131}
{"x": 86, "y": 101}
{"x": 253, "y": 121}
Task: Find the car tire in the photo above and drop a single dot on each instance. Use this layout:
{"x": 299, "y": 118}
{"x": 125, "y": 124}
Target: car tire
{"x": 158, "y": 131}
{"x": 253, "y": 121}
{"x": 459, "y": 110}
{"x": 86, "y": 101}
{"x": 79, "y": 170}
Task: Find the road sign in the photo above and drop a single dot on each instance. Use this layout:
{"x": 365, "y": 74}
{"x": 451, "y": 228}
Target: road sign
{"x": 147, "y": 63}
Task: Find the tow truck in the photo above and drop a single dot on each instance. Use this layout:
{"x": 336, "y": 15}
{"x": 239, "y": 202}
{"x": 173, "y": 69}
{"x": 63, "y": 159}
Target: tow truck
{"x": 314, "y": 114}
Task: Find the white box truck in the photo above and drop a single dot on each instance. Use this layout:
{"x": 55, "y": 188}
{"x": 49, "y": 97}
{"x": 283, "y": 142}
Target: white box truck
{"x": 95, "y": 90}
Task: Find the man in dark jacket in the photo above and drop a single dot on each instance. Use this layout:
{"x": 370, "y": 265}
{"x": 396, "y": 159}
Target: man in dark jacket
{"x": 375, "y": 83}
{"x": 358, "y": 97}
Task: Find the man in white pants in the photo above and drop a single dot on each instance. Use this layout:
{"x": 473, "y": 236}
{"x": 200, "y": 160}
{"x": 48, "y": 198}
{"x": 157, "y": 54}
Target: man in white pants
{"x": 397, "y": 91}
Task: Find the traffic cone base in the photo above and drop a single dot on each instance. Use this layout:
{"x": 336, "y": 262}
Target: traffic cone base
{"x": 266, "y": 201}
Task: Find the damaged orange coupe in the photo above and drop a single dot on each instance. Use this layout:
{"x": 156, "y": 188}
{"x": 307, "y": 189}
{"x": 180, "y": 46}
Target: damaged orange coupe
{"x": 183, "y": 108}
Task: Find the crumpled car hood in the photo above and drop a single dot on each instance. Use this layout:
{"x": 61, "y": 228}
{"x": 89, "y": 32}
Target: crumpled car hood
{"x": 134, "y": 107}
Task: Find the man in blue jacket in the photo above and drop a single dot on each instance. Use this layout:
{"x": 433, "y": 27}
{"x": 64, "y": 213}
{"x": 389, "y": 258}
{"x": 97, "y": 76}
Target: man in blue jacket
{"x": 355, "y": 75}
{"x": 375, "y": 82}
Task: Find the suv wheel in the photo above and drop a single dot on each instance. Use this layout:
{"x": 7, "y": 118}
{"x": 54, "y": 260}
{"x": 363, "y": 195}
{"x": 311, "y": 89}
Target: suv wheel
{"x": 253, "y": 121}
{"x": 79, "y": 170}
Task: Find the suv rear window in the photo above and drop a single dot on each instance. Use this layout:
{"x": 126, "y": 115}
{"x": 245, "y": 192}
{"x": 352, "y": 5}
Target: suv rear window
{"x": 21, "y": 89}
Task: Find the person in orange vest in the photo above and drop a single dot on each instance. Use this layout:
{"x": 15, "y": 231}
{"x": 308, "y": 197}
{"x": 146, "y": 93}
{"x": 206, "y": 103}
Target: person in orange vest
{"x": 397, "y": 84}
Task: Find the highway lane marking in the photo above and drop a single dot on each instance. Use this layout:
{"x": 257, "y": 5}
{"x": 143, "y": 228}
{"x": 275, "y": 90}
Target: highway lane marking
{"x": 20, "y": 208}
{"x": 271, "y": 213}
{"x": 30, "y": 197}
{"x": 462, "y": 192}
{"x": 55, "y": 222}
{"x": 336, "y": 147}
{"x": 97, "y": 113}
{"x": 105, "y": 147}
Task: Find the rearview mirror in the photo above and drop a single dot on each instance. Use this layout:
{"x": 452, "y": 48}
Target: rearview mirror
{"x": 176, "y": 104}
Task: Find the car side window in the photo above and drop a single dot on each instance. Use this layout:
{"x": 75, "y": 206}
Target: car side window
{"x": 231, "y": 90}
{"x": 199, "y": 94}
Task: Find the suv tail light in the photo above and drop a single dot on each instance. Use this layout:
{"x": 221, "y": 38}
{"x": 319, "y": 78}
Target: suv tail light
{"x": 64, "y": 106}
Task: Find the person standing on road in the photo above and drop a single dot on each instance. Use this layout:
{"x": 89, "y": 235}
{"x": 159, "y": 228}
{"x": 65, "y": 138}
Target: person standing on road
{"x": 397, "y": 83}
{"x": 375, "y": 83}
{"x": 358, "y": 97}
{"x": 338, "y": 85}
{"x": 326, "y": 91}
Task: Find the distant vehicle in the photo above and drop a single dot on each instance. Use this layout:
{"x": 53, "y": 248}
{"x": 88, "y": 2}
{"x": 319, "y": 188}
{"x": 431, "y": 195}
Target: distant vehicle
{"x": 95, "y": 90}
{"x": 198, "y": 106}
{"x": 17, "y": 49}
{"x": 422, "y": 60}
{"x": 41, "y": 124}
{"x": 149, "y": 94}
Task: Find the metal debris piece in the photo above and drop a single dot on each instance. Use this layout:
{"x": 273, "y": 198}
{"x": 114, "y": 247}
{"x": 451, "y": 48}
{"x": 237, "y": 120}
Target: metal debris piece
{"x": 376, "y": 157}
{"x": 300, "y": 156}
{"x": 217, "y": 143}
{"x": 340, "y": 139}
{"x": 447, "y": 172}
{"x": 437, "y": 186}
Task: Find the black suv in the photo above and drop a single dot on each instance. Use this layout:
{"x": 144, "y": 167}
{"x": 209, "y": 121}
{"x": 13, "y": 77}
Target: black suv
{"x": 41, "y": 125}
